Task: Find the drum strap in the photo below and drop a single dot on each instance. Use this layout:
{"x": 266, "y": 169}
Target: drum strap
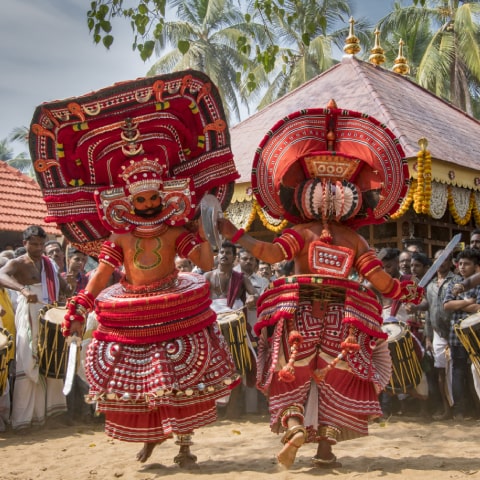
{"x": 50, "y": 279}
{"x": 236, "y": 282}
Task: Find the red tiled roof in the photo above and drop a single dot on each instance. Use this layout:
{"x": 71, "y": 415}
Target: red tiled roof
{"x": 408, "y": 110}
{"x": 21, "y": 202}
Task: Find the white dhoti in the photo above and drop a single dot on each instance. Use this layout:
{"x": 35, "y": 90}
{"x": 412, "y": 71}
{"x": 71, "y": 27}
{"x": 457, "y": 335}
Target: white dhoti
{"x": 439, "y": 345}
{"x": 35, "y": 397}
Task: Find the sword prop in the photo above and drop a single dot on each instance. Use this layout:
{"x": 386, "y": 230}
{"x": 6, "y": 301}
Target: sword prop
{"x": 429, "y": 274}
{"x": 74, "y": 343}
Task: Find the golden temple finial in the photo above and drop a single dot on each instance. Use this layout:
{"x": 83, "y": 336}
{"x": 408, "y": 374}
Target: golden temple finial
{"x": 352, "y": 43}
{"x": 377, "y": 56}
{"x": 423, "y": 144}
{"x": 400, "y": 64}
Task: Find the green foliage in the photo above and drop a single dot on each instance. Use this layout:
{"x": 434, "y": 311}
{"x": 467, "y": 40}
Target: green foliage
{"x": 21, "y": 161}
{"x": 6, "y": 151}
{"x": 211, "y": 36}
{"x": 183, "y": 46}
{"x": 280, "y": 44}
{"x": 146, "y": 18}
{"x": 442, "y": 46}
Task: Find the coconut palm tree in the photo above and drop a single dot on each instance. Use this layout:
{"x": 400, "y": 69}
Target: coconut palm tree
{"x": 408, "y": 24}
{"x": 205, "y": 37}
{"x": 21, "y": 161}
{"x": 307, "y": 32}
{"x": 447, "y": 61}
{"x": 6, "y": 151}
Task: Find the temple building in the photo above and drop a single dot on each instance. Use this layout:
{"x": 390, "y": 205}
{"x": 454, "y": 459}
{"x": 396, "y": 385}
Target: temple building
{"x": 441, "y": 145}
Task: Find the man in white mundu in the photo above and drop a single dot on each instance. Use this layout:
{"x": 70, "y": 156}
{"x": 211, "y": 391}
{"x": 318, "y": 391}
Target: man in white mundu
{"x": 35, "y": 396}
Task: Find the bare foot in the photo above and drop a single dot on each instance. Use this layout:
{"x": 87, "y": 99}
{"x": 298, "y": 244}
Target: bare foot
{"x": 287, "y": 454}
{"x": 186, "y": 459}
{"x": 325, "y": 457}
{"x": 146, "y": 451}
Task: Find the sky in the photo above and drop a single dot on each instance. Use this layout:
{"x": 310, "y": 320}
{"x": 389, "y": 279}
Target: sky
{"x": 47, "y": 53}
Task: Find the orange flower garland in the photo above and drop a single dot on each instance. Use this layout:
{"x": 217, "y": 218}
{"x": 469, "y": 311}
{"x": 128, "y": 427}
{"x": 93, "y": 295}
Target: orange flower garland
{"x": 407, "y": 201}
{"x": 451, "y": 206}
{"x": 476, "y": 212}
{"x": 423, "y": 193}
{"x": 427, "y": 182}
{"x": 418, "y": 194}
{"x": 273, "y": 228}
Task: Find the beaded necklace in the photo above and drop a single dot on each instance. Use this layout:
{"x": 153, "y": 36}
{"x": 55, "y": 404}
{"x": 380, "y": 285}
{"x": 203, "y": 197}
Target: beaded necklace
{"x": 218, "y": 283}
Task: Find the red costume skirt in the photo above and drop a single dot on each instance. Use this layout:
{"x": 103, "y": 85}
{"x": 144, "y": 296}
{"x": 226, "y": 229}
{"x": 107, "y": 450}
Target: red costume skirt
{"x": 155, "y": 377}
{"x": 348, "y": 396}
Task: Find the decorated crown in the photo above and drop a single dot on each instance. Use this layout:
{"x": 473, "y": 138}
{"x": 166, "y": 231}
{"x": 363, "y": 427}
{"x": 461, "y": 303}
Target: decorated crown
{"x": 79, "y": 146}
{"x": 339, "y": 148}
{"x": 142, "y": 176}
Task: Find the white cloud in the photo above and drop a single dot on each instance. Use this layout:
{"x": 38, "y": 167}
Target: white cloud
{"x": 47, "y": 53}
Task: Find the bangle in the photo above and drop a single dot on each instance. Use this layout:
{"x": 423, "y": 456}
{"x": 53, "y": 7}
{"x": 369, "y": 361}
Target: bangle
{"x": 238, "y": 235}
{"x": 23, "y": 288}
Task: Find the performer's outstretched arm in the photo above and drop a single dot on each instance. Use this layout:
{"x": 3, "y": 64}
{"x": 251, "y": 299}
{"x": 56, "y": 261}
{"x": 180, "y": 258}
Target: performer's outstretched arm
{"x": 265, "y": 251}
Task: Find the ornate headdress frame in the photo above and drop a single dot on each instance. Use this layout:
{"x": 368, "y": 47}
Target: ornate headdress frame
{"x": 79, "y": 145}
{"x": 335, "y": 145}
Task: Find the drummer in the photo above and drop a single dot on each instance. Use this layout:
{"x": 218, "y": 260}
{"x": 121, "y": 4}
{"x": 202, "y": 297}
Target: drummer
{"x": 462, "y": 299}
{"x": 231, "y": 291}
{"x": 35, "y": 277}
{"x": 393, "y": 310}
{"x": 248, "y": 265}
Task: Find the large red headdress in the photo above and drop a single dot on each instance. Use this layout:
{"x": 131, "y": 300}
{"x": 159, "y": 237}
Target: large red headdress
{"x": 351, "y": 153}
{"x": 98, "y": 149}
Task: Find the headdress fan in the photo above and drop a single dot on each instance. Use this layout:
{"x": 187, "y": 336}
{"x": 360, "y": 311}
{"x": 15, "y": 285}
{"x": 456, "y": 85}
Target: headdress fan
{"x": 330, "y": 164}
{"x": 92, "y": 152}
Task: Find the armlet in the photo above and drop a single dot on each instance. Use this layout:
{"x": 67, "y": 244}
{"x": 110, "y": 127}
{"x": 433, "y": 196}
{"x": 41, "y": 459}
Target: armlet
{"x": 290, "y": 242}
{"x": 186, "y": 242}
{"x": 368, "y": 263}
{"x": 111, "y": 254}
{"x": 370, "y": 267}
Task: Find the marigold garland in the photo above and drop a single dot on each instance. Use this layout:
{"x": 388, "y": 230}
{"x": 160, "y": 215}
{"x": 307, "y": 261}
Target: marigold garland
{"x": 273, "y": 228}
{"x": 423, "y": 193}
{"x": 251, "y": 218}
{"x": 451, "y": 206}
{"x": 427, "y": 183}
{"x": 476, "y": 212}
{"x": 407, "y": 201}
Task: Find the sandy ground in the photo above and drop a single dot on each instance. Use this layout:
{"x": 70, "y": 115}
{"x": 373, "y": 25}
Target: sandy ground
{"x": 246, "y": 449}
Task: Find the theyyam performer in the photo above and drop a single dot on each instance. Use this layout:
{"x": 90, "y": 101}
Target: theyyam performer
{"x": 123, "y": 171}
{"x": 322, "y": 358}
